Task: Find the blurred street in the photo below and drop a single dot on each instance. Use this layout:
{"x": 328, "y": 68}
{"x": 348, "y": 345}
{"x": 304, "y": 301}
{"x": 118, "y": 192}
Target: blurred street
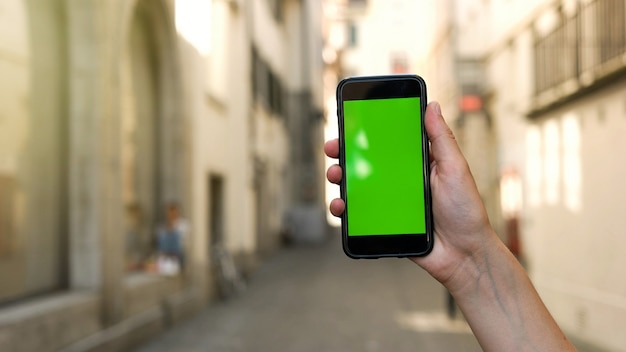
{"x": 317, "y": 299}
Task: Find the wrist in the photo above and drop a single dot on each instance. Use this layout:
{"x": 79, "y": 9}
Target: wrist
{"x": 500, "y": 303}
{"x": 479, "y": 265}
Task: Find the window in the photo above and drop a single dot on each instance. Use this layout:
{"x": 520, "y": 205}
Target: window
{"x": 352, "y": 34}
{"x": 267, "y": 87}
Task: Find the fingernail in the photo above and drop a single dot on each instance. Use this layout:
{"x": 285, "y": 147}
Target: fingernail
{"x": 437, "y": 108}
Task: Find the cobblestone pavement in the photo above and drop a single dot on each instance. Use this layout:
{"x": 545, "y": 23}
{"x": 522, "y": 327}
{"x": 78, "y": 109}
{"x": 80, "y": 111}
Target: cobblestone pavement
{"x": 317, "y": 299}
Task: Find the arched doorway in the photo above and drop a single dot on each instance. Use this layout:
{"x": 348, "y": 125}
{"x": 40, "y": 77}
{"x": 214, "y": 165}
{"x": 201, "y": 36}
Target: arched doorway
{"x": 151, "y": 130}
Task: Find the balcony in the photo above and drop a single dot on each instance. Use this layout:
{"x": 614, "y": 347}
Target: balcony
{"x": 584, "y": 50}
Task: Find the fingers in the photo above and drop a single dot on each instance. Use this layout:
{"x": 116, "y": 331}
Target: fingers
{"x": 334, "y": 174}
{"x": 443, "y": 143}
{"x": 331, "y": 148}
{"x": 337, "y": 206}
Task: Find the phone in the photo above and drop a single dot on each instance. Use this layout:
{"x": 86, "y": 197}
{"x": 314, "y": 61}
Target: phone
{"x": 383, "y": 151}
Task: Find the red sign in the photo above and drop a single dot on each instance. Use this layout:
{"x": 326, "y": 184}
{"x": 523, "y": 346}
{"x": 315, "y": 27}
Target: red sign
{"x": 471, "y": 103}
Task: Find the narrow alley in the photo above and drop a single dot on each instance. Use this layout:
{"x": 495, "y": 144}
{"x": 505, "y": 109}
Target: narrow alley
{"x": 317, "y": 299}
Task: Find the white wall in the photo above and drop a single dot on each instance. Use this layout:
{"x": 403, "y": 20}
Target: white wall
{"x": 230, "y": 129}
{"x": 220, "y": 128}
{"x": 576, "y": 233}
{"x": 385, "y": 28}
{"x": 569, "y": 159}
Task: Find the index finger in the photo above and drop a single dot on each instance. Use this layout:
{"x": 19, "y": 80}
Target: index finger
{"x": 331, "y": 148}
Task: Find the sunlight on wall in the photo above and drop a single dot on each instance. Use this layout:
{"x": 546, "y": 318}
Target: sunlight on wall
{"x": 572, "y": 168}
{"x": 510, "y": 194}
{"x": 553, "y": 157}
{"x": 193, "y": 24}
{"x": 551, "y": 162}
{"x": 534, "y": 165}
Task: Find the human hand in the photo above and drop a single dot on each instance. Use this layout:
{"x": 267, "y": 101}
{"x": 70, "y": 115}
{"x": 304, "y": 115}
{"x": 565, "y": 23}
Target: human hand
{"x": 489, "y": 285}
{"x": 462, "y": 230}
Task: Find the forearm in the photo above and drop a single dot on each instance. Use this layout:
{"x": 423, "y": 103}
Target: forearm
{"x": 502, "y": 306}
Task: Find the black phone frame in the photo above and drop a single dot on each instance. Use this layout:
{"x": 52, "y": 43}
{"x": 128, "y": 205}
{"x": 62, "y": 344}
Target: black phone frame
{"x": 385, "y": 245}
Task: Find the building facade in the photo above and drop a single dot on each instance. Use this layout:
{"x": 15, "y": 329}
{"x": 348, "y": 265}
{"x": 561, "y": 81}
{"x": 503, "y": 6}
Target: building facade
{"x": 114, "y": 110}
{"x": 366, "y": 38}
{"x": 553, "y": 83}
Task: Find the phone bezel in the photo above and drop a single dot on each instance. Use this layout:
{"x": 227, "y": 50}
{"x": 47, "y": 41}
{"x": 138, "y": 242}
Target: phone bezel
{"x": 385, "y": 245}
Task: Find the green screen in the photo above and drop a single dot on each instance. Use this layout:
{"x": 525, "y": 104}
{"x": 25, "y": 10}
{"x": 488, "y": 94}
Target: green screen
{"x": 384, "y": 176}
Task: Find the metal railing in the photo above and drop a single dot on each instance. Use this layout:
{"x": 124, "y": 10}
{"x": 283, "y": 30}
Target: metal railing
{"x": 591, "y": 42}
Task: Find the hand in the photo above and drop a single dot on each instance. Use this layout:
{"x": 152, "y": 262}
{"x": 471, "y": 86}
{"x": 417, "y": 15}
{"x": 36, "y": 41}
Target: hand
{"x": 462, "y": 230}
{"x": 489, "y": 285}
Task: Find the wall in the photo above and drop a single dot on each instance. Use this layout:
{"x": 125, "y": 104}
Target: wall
{"x": 385, "y": 30}
{"x": 575, "y": 230}
{"x": 32, "y": 141}
{"x": 82, "y": 69}
{"x": 570, "y": 219}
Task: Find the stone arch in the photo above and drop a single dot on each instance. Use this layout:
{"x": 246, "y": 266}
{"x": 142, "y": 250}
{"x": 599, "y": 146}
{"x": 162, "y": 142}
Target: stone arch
{"x": 153, "y": 127}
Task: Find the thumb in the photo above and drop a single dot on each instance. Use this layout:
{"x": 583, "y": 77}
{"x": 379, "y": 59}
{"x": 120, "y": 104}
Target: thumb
{"x": 443, "y": 143}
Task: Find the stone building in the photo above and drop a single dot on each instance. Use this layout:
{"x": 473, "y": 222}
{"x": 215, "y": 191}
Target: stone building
{"x": 110, "y": 111}
{"x": 553, "y": 84}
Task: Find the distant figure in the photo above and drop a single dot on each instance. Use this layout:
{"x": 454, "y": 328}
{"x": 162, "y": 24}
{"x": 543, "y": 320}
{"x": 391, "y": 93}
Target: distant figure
{"x": 171, "y": 238}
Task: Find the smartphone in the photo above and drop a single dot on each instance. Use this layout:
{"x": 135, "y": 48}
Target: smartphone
{"x": 383, "y": 151}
